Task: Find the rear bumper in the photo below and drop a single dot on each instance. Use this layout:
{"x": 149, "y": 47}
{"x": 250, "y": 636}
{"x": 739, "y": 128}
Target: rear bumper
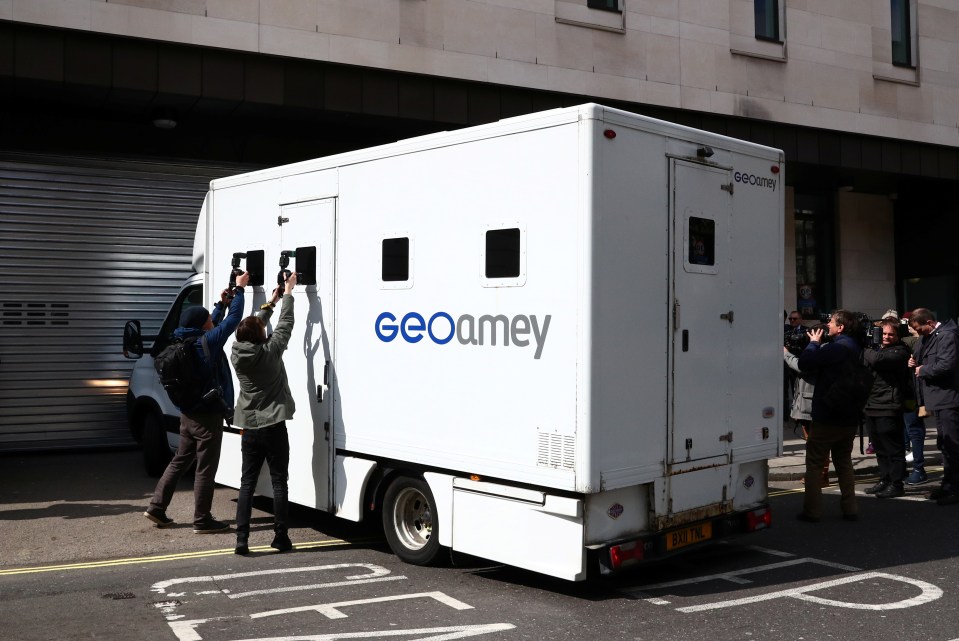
{"x": 659, "y": 545}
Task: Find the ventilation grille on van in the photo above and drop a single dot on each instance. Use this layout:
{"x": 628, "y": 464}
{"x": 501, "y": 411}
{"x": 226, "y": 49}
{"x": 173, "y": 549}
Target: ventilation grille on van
{"x": 556, "y": 450}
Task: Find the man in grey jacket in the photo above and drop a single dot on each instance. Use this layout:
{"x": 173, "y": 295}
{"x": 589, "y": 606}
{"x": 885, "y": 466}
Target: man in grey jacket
{"x": 262, "y": 409}
{"x": 937, "y": 371}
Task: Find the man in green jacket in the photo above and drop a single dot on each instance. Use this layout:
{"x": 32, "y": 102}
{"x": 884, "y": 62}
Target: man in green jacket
{"x": 262, "y": 409}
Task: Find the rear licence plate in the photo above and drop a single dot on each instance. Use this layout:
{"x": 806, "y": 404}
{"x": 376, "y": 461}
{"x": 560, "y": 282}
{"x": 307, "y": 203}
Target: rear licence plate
{"x": 688, "y": 536}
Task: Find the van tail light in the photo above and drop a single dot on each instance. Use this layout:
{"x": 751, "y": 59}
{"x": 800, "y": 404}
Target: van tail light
{"x": 759, "y": 519}
{"x": 625, "y": 554}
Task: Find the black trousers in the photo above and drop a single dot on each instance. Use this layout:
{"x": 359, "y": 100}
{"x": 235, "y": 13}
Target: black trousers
{"x": 270, "y": 444}
{"x": 885, "y": 432}
{"x": 200, "y": 438}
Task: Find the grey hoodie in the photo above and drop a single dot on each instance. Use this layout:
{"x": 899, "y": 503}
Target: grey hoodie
{"x": 265, "y": 397}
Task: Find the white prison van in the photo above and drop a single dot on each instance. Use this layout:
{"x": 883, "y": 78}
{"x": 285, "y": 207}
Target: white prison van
{"x": 547, "y": 340}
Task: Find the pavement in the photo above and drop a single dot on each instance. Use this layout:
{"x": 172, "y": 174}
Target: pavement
{"x": 791, "y": 466}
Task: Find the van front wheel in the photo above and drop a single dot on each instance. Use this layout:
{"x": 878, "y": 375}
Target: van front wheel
{"x": 409, "y": 521}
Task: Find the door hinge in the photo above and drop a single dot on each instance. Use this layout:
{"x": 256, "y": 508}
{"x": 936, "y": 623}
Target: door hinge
{"x": 727, "y": 187}
{"x": 280, "y": 220}
{"x": 728, "y": 437}
{"x": 728, "y": 316}
{"x": 326, "y": 430}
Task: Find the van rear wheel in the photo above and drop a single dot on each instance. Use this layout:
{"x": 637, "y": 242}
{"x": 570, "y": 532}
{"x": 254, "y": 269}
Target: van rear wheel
{"x": 410, "y": 522}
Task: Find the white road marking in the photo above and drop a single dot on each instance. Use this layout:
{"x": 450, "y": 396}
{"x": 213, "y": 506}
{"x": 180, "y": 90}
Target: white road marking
{"x": 331, "y": 610}
{"x": 444, "y": 634}
{"x": 929, "y": 592}
{"x": 374, "y": 571}
{"x": 658, "y": 601}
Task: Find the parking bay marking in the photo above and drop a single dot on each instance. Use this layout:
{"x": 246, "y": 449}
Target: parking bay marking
{"x": 928, "y": 591}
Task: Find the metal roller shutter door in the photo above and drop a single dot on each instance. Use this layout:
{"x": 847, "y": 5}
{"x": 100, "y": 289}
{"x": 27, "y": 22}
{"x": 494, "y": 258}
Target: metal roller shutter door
{"x": 85, "y": 245}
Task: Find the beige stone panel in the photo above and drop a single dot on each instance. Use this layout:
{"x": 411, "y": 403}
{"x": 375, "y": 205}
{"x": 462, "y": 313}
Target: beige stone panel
{"x": 709, "y": 13}
{"x": 6, "y": 9}
{"x": 53, "y": 13}
{"x": 468, "y": 27}
{"x": 700, "y": 64}
{"x": 545, "y": 7}
{"x": 765, "y": 79}
{"x": 225, "y": 34}
{"x": 370, "y": 19}
{"x": 662, "y": 59}
{"x": 294, "y": 43}
{"x": 722, "y": 102}
{"x": 803, "y": 28}
{"x": 878, "y": 98}
{"x": 515, "y": 35}
{"x": 192, "y": 7}
{"x": 741, "y": 18}
{"x": 660, "y": 93}
{"x": 866, "y": 220}
{"x": 846, "y": 36}
{"x": 518, "y": 74}
{"x": 834, "y": 88}
{"x": 862, "y": 65}
{"x": 638, "y": 21}
{"x": 160, "y": 25}
{"x": 293, "y": 14}
{"x": 563, "y": 45}
{"x": 594, "y": 84}
{"x": 368, "y": 53}
{"x": 659, "y": 8}
{"x": 857, "y": 10}
{"x": 708, "y": 35}
{"x": 946, "y": 107}
{"x": 242, "y": 10}
{"x": 881, "y": 44}
{"x": 695, "y": 99}
{"x": 107, "y": 17}
{"x": 915, "y": 103}
{"x": 938, "y": 55}
{"x": 824, "y": 7}
{"x": 802, "y": 53}
{"x": 421, "y": 24}
{"x": 665, "y": 27}
{"x": 938, "y": 23}
{"x": 620, "y": 54}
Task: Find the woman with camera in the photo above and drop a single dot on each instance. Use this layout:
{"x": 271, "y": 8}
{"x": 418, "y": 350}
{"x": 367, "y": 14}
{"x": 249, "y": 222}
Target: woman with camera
{"x": 262, "y": 409}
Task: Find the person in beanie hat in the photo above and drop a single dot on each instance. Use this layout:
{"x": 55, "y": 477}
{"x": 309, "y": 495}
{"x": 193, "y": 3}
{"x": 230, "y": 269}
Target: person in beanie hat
{"x": 201, "y": 428}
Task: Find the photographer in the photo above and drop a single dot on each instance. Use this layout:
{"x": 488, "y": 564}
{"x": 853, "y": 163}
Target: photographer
{"x": 883, "y": 413}
{"x": 262, "y": 409}
{"x": 201, "y": 428}
{"x": 834, "y": 425}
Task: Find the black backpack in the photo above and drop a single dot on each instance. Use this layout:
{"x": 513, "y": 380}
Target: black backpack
{"x": 847, "y": 395}
{"x": 188, "y": 384}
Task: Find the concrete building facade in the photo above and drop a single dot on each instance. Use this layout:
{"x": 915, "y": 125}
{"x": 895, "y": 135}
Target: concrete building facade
{"x": 862, "y": 95}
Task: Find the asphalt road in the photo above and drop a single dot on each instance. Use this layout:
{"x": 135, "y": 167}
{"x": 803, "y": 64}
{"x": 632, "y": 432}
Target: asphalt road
{"x": 79, "y": 562}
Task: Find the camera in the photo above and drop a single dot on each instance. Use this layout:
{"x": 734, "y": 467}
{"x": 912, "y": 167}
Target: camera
{"x": 235, "y": 270}
{"x": 285, "y": 273}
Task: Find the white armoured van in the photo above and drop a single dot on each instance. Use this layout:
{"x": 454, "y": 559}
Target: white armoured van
{"x": 543, "y": 340}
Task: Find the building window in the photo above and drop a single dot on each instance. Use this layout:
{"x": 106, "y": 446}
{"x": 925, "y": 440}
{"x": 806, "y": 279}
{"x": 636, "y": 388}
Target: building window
{"x": 396, "y": 259}
{"x": 901, "y": 33}
{"x": 767, "y": 20}
{"x": 604, "y": 5}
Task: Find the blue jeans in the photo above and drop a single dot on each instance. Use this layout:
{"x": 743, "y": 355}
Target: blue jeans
{"x": 270, "y": 444}
{"x": 916, "y": 433}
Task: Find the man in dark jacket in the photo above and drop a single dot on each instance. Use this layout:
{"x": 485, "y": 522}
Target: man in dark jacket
{"x": 890, "y": 371}
{"x": 833, "y": 428}
{"x": 937, "y": 371}
{"x": 201, "y": 428}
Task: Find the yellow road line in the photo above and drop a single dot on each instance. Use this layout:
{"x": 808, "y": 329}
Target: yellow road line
{"x": 90, "y": 565}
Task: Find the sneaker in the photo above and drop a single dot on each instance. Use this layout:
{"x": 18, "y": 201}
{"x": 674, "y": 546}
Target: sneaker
{"x": 890, "y": 492}
{"x": 282, "y": 542}
{"x": 909, "y": 458}
{"x": 209, "y": 526}
{"x": 870, "y": 449}
{"x": 242, "y": 548}
{"x": 917, "y": 477}
{"x": 159, "y": 517}
{"x": 878, "y": 487}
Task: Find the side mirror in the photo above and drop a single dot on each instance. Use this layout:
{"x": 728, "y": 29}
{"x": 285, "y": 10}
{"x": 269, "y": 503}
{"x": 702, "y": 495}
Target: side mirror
{"x": 132, "y": 340}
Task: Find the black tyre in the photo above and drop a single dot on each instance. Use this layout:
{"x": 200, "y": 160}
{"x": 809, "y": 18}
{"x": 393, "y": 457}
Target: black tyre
{"x": 409, "y": 521}
{"x": 156, "y": 450}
